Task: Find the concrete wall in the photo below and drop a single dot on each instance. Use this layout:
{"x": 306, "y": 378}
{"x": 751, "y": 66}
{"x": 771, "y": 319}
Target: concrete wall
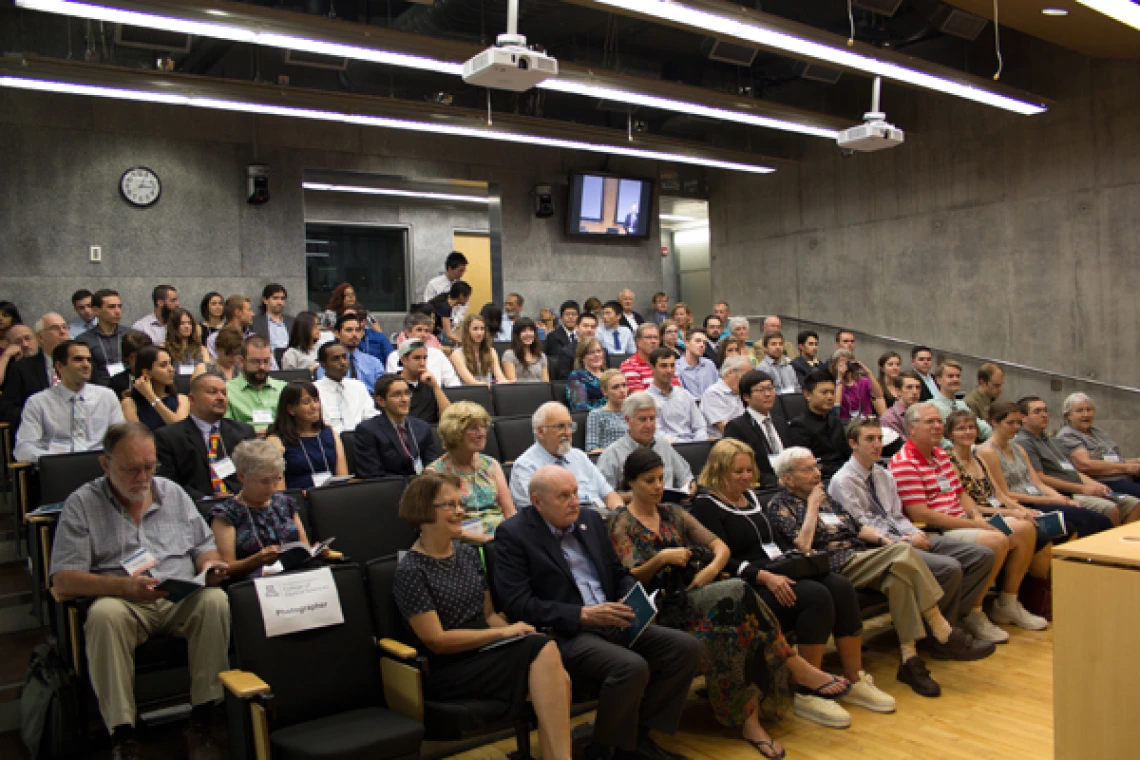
{"x": 62, "y": 157}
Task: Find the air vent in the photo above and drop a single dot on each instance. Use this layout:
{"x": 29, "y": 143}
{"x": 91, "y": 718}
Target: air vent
{"x": 151, "y": 39}
{"x": 615, "y": 106}
{"x": 962, "y": 24}
{"x": 315, "y": 61}
{"x": 732, "y": 52}
{"x": 817, "y": 73}
{"x": 882, "y": 7}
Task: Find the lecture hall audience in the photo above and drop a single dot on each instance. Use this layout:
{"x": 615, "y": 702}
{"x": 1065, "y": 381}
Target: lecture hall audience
{"x": 776, "y": 364}
{"x": 721, "y": 403}
{"x": 857, "y": 393}
{"x": 253, "y": 395}
{"x": 921, "y": 361}
{"x": 949, "y": 374}
{"x": 21, "y": 345}
{"x": 568, "y": 356}
{"x": 228, "y": 344}
{"x": 304, "y": 341}
{"x": 313, "y": 451}
{"x": 991, "y": 380}
{"x": 212, "y": 308}
{"x": 133, "y": 342}
{"x": 584, "y": 389}
{"x": 81, "y": 303}
{"x": 817, "y": 429}
{"x": 525, "y": 361}
{"x": 475, "y": 359}
{"x": 273, "y": 323}
{"x": 639, "y": 418}
{"x": 629, "y": 317}
{"x": 165, "y": 300}
{"x": 105, "y": 337}
{"x": 394, "y": 442}
{"x": 671, "y": 337}
{"x": 1092, "y": 450}
{"x": 415, "y": 366}
{"x": 678, "y": 416}
{"x": 362, "y": 366}
{"x": 32, "y": 374}
{"x": 696, "y": 371}
{"x": 238, "y": 315}
{"x": 566, "y": 331}
{"x": 757, "y": 428}
{"x": 455, "y": 266}
{"x": 637, "y": 370}
{"x": 613, "y": 332}
{"x": 807, "y": 343}
{"x": 345, "y": 401}
{"x": 182, "y": 343}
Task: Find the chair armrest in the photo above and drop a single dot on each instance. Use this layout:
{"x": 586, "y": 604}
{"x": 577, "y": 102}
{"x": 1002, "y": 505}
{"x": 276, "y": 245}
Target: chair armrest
{"x": 397, "y": 649}
{"x": 63, "y": 598}
{"x": 334, "y": 556}
{"x": 20, "y": 465}
{"x": 243, "y": 684}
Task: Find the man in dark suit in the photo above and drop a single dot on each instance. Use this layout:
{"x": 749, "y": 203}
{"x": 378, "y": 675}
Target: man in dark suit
{"x": 563, "y": 364}
{"x": 817, "y": 429}
{"x": 808, "y": 343}
{"x": 556, "y": 569}
{"x": 922, "y": 361}
{"x": 631, "y": 220}
{"x": 31, "y": 374}
{"x": 273, "y": 323}
{"x": 394, "y": 442}
{"x": 564, "y": 333}
{"x": 757, "y": 427}
{"x": 629, "y": 317}
{"x": 184, "y": 448}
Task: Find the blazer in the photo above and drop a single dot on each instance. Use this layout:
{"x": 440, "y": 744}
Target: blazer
{"x": 825, "y": 436}
{"x": 533, "y": 580}
{"x": 802, "y": 368}
{"x": 747, "y": 430}
{"x": 556, "y": 341}
{"x": 260, "y": 325}
{"x": 379, "y": 452}
{"x": 632, "y": 327}
{"x": 182, "y": 455}
{"x": 25, "y": 378}
{"x": 561, "y": 367}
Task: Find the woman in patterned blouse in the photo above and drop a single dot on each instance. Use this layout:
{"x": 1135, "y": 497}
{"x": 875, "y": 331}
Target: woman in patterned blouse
{"x": 606, "y": 424}
{"x": 584, "y": 385}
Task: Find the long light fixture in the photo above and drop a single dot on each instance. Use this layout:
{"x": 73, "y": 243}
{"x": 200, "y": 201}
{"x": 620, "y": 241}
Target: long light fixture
{"x": 195, "y": 95}
{"x": 392, "y": 192}
{"x": 251, "y": 31}
{"x": 752, "y": 29}
{"x": 1122, "y": 10}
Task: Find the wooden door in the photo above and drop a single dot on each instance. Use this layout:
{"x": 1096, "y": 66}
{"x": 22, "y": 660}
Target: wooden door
{"x": 476, "y": 246}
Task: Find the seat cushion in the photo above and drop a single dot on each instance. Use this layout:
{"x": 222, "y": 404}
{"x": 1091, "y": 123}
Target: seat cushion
{"x": 370, "y": 732}
{"x": 449, "y": 721}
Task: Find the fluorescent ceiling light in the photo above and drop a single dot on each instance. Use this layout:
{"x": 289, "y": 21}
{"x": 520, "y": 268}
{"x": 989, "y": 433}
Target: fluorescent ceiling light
{"x": 1054, "y": 12}
{"x": 1122, "y": 10}
{"x": 774, "y": 39}
{"x": 676, "y": 218}
{"x": 456, "y": 130}
{"x": 396, "y": 193}
{"x": 238, "y": 32}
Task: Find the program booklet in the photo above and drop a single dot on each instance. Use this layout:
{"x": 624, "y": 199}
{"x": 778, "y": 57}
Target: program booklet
{"x": 1053, "y": 523}
{"x": 295, "y": 554}
{"x": 177, "y": 589}
{"x": 644, "y": 607}
{"x": 999, "y": 522}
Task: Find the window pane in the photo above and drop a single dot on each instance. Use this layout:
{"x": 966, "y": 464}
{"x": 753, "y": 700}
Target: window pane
{"x": 372, "y": 259}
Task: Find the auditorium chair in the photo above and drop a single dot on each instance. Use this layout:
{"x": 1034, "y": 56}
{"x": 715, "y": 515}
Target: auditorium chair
{"x": 348, "y": 443}
{"x": 579, "y": 441}
{"x": 515, "y": 435}
{"x": 790, "y": 405}
{"x": 279, "y": 355}
{"x": 559, "y": 389}
{"x": 514, "y": 399}
{"x": 479, "y": 394}
{"x": 364, "y": 517}
{"x": 292, "y": 375}
{"x": 613, "y": 361}
{"x": 696, "y": 453}
{"x": 313, "y": 694}
{"x": 501, "y": 346}
{"x": 182, "y": 383}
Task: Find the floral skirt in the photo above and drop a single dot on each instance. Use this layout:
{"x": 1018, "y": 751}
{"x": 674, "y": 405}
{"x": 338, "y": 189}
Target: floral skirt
{"x": 743, "y": 651}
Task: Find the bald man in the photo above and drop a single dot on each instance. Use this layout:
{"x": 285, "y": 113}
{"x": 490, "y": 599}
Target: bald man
{"x": 556, "y": 569}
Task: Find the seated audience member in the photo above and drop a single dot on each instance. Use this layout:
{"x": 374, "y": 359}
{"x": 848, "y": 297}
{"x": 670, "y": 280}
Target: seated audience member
{"x": 9, "y": 317}
{"x": 949, "y": 374}
{"x": 660, "y": 307}
{"x": 721, "y": 403}
{"x": 393, "y": 442}
{"x": 805, "y": 515}
{"x": 273, "y": 323}
{"x": 736, "y": 629}
{"x": 772, "y": 323}
{"x": 963, "y": 563}
{"x": 991, "y": 380}
{"x": 187, "y": 353}
{"x": 343, "y": 299}
{"x": 133, "y": 342}
{"x": 776, "y": 364}
{"x": 441, "y": 590}
{"x": 81, "y": 302}
{"x": 71, "y": 416}
{"x": 547, "y": 324}
{"x": 615, "y": 336}
{"x": 566, "y": 331}
{"x": 910, "y": 389}
{"x": 373, "y": 341}
{"x": 253, "y": 396}
{"x": 807, "y": 342}
{"x": 637, "y": 370}
{"x": 683, "y": 316}
{"x": 483, "y": 487}
{"x": 512, "y": 310}
{"x": 313, "y": 450}
{"x": 88, "y": 557}
{"x": 629, "y": 317}
{"x": 196, "y": 452}
{"x": 815, "y": 608}
{"x": 857, "y": 393}
{"x": 553, "y": 444}
{"x": 584, "y": 390}
{"x": 349, "y": 331}
{"x": 845, "y": 339}
{"x": 714, "y": 329}
{"x": 671, "y": 337}
{"x": 449, "y": 309}
{"x": 417, "y": 324}
{"x": 890, "y": 370}
{"x": 678, "y": 416}
{"x": 738, "y": 328}
{"x": 640, "y": 416}
{"x": 428, "y": 398}
{"x": 645, "y": 685}
{"x": 605, "y": 424}
{"x": 921, "y": 361}
{"x": 105, "y": 337}
{"x": 492, "y": 315}
{"x": 21, "y": 345}
{"x": 228, "y": 344}
{"x": 817, "y": 428}
{"x": 32, "y": 374}
{"x": 252, "y": 525}
{"x": 1092, "y": 450}
{"x": 239, "y": 316}
{"x": 730, "y": 346}
{"x": 722, "y": 312}
{"x": 567, "y": 359}
{"x": 454, "y": 267}
{"x": 418, "y": 327}
{"x": 304, "y": 341}
{"x": 694, "y": 369}
{"x": 153, "y": 400}
{"x": 212, "y": 308}
{"x": 1057, "y": 471}
{"x": 165, "y": 299}
{"x": 524, "y": 361}
{"x": 475, "y": 359}
{"x": 1029, "y": 544}
{"x": 345, "y": 402}
{"x": 756, "y": 427}
{"x": 592, "y": 305}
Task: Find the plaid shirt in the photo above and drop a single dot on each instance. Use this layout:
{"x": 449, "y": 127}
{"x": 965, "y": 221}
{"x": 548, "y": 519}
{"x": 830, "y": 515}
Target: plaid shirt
{"x": 786, "y": 511}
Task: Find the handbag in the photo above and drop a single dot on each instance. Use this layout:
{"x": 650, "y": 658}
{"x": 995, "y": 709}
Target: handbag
{"x": 800, "y": 566}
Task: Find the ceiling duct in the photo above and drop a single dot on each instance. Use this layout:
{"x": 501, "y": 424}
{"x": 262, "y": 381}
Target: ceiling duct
{"x": 882, "y": 7}
{"x": 151, "y": 39}
{"x": 817, "y": 73}
{"x": 730, "y": 52}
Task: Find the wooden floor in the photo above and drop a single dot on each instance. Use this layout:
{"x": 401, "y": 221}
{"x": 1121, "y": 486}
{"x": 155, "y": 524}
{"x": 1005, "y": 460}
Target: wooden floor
{"x": 1000, "y": 708}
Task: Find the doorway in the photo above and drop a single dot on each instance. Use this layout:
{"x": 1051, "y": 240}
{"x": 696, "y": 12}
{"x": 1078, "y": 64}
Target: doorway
{"x": 476, "y": 246}
{"x": 685, "y": 230}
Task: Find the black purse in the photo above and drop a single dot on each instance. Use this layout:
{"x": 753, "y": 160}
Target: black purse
{"x": 799, "y": 566}
{"x": 674, "y": 581}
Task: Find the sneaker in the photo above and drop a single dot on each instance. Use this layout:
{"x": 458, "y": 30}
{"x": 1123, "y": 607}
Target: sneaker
{"x": 864, "y": 693}
{"x": 1016, "y": 614}
{"x": 914, "y": 674}
{"x": 825, "y": 712}
{"x": 982, "y": 629}
{"x": 960, "y": 646}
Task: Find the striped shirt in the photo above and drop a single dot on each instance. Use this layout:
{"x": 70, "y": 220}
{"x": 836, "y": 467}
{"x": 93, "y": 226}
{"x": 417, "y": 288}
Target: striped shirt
{"x": 926, "y": 483}
{"x": 639, "y": 374}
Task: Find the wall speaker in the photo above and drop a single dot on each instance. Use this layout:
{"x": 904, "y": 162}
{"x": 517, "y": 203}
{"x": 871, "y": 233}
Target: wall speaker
{"x": 258, "y": 184}
{"x": 543, "y": 202}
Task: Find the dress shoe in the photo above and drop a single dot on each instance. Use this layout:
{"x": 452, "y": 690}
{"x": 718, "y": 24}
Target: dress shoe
{"x": 914, "y": 674}
{"x": 960, "y": 646}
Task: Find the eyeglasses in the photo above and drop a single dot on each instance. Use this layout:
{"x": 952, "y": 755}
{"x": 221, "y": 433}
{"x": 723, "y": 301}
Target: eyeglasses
{"x": 562, "y": 426}
{"x": 450, "y": 506}
{"x": 480, "y": 427}
{"x": 134, "y": 472}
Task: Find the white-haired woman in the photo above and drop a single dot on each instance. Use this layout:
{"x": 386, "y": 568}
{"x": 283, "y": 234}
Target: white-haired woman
{"x": 1092, "y": 450}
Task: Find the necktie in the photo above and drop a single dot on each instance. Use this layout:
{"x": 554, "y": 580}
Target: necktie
{"x": 774, "y": 444}
{"x": 617, "y": 342}
{"x": 878, "y": 504}
{"x": 352, "y": 366}
{"x": 573, "y": 337}
{"x": 218, "y": 484}
{"x": 78, "y": 424}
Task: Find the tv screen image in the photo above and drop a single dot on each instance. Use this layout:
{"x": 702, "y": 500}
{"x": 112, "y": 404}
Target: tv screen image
{"x": 600, "y": 204}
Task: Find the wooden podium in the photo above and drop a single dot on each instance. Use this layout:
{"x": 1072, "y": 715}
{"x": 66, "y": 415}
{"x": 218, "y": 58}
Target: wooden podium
{"x": 1096, "y": 625}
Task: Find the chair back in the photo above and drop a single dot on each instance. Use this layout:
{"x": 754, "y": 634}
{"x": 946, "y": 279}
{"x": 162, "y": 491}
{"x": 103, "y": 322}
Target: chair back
{"x": 559, "y": 388}
{"x": 302, "y": 502}
{"x": 501, "y": 347}
{"x": 695, "y": 453}
{"x": 348, "y": 443}
{"x": 291, "y": 375}
{"x": 387, "y": 622}
{"x": 790, "y": 405}
{"x": 515, "y": 435}
{"x": 516, "y": 399}
{"x": 613, "y": 361}
{"x": 61, "y": 474}
{"x": 182, "y": 383}
{"x": 580, "y": 434}
{"x": 279, "y": 354}
{"x": 363, "y": 516}
{"x": 314, "y": 673}
{"x": 480, "y": 394}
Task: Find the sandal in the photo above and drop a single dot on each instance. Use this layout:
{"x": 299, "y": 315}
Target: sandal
{"x": 771, "y": 745}
{"x": 819, "y": 692}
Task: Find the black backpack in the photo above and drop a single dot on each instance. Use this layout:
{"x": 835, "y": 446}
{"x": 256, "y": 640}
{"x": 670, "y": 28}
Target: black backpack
{"x": 51, "y": 722}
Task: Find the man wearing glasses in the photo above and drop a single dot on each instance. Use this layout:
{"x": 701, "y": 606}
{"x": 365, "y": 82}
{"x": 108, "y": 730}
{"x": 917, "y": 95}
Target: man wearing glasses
{"x": 757, "y": 427}
{"x": 253, "y": 396}
{"x": 553, "y": 444}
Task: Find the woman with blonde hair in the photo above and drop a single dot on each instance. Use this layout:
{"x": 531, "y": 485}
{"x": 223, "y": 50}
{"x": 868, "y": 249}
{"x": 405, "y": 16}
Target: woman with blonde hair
{"x": 683, "y": 316}
{"x": 606, "y": 424}
{"x": 584, "y": 386}
{"x": 474, "y": 358}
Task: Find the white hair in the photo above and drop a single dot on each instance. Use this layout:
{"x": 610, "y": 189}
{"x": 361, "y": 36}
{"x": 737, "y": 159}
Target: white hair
{"x": 258, "y": 457}
{"x": 735, "y": 364}
{"x": 786, "y": 460}
{"x": 1073, "y": 399}
{"x": 38, "y": 327}
{"x": 734, "y": 322}
{"x": 538, "y": 419}
{"x": 635, "y": 402}
{"x": 914, "y": 410}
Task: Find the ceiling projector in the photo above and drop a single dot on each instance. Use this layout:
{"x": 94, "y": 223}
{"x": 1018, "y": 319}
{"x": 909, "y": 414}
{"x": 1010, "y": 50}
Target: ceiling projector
{"x": 510, "y": 64}
{"x": 875, "y": 133}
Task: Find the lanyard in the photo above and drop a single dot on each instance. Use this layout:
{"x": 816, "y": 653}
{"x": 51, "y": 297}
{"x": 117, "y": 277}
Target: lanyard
{"x": 756, "y": 509}
{"x": 313, "y": 470}
{"x": 403, "y": 443}
{"x": 253, "y": 528}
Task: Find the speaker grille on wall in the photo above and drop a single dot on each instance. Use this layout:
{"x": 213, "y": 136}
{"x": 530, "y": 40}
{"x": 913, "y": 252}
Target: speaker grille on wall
{"x": 543, "y": 201}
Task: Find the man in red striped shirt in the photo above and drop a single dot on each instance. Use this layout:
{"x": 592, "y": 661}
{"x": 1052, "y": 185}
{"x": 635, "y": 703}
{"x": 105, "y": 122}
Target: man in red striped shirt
{"x": 637, "y": 369}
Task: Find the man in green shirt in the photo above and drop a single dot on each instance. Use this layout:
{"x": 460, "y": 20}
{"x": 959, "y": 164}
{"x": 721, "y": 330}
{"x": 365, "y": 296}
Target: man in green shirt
{"x": 991, "y": 380}
{"x": 253, "y": 396}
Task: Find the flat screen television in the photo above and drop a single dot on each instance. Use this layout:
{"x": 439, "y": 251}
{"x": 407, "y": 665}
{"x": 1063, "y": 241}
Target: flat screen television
{"x": 608, "y": 205}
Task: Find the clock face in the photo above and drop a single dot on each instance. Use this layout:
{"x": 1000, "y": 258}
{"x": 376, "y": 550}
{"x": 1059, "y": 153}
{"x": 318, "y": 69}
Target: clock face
{"x": 140, "y": 186}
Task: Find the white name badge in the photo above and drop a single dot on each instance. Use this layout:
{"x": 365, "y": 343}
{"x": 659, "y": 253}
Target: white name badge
{"x": 1033, "y": 490}
{"x": 772, "y": 551}
{"x": 772, "y": 462}
{"x": 943, "y": 485}
{"x": 139, "y": 562}
{"x": 273, "y": 569}
{"x": 59, "y": 447}
{"x": 223, "y": 468}
{"x": 186, "y": 369}
{"x": 474, "y": 526}
{"x": 1112, "y": 457}
{"x": 995, "y": 502}
{"x": 1067, "y": 466}
{"x": 116, "y": 368}
{"x": 418, "y": 465}
{"x": 320, "y": 478}
{"x": 298, "y": 602}
{"x": 829, "y": 519}
{"x": 262, "y": 416}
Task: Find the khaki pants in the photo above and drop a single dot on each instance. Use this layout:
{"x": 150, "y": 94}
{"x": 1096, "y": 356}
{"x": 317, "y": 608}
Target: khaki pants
{"x": 115, "y": 627}
{"x": 1103, "y": 506}
{"x": 899, "y": 572}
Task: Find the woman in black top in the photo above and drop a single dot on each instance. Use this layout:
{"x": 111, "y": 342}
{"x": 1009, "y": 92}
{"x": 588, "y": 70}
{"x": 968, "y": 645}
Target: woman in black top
{"x": 153, "y": 400}
{"x": 441, "y": 591}
{"x": 813, "y": 608}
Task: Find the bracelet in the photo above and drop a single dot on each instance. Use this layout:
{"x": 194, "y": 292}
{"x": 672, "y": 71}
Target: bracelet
{"x": 156, "y": 401}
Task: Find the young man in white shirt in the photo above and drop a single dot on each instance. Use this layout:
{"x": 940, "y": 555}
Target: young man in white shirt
{"x": 345, "y": 401}
{"x": 455, "y": 266}
{"x": 616, "y": 337}
{"x": 437, "y": 362}
{"x": 696, "y": 371}
{"x": 678, "y": 417}
{"x": 165, "y": 299}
